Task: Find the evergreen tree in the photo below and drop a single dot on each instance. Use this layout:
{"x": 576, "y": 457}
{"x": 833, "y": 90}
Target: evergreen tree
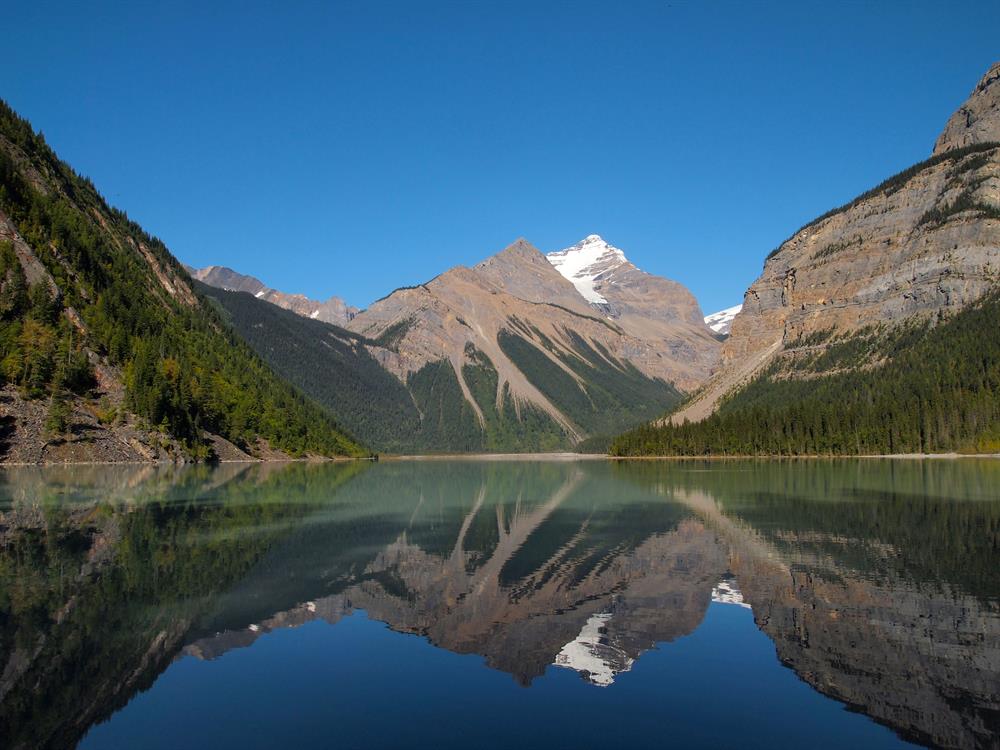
{"x": 119, "y": 295}
{"x": 57, "y": 417}
{"x": 937, "y": 389}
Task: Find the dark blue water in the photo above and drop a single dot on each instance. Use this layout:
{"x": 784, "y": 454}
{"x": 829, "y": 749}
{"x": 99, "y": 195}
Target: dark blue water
{"x": 534, "y": 604}
{"x": 359, "y": 684}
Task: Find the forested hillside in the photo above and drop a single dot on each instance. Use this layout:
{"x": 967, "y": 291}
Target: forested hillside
{"x": 429, "y": 412}
{"x": 97, "y": 318}
{"x": 326, "y": 362}
{"x": 873, "y": 328}
{"x": 924, "y": 387}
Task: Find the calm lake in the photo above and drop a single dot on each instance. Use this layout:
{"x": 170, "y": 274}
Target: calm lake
{"x": 479, "y": 604}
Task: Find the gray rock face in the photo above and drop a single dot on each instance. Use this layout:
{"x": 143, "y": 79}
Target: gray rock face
{"x": 978, "y": 119}
{"x": 333, "y": 310}
{"x": 882, "y": 260}
{"x": 612, "y": 284}
{"x": 923, "y": 243}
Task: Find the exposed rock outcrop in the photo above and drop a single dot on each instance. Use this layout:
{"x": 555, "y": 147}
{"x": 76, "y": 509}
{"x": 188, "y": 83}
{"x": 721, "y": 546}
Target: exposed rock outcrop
{"x": 978, "y": 119}
{"x": 926, "y": 241}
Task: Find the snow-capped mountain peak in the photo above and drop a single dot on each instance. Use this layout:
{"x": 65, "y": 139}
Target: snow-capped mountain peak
{"x": 585, "y": 262}
{"x": 722, "y": 321}
{"x": 727, "y": 592}
{"x": 592, "y": 655}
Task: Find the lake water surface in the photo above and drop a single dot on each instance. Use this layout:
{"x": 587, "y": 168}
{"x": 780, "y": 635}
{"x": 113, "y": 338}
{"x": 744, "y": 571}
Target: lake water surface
{"x": 479, "y": 604}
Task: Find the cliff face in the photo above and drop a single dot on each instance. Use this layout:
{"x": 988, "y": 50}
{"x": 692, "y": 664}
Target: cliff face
{"x": 926, "y": 241}
{"x": 886, "y": 259}
{"x": 978, "y": 119}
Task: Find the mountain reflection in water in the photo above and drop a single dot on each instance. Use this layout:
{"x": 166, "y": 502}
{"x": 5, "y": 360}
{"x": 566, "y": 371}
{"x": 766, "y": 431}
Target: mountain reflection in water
{"x": 878, "y": 582}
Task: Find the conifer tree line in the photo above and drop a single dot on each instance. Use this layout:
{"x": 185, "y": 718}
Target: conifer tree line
{"x": 937, "y": 390}
{"x": 183, "y": 369}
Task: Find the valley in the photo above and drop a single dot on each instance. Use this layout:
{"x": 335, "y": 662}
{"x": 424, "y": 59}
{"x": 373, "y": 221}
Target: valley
{"x": 500, "y": 375}
{"x": 506, "y": 355}
{"x": 871, "y": 330}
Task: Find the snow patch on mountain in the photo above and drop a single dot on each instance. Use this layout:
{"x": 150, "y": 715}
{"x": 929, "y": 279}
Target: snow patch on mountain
{"x": 592, "y": 656}
{"x": 585, "y": 263}
{"x": 727, "y": 592}
{"x": 722, "y": 321}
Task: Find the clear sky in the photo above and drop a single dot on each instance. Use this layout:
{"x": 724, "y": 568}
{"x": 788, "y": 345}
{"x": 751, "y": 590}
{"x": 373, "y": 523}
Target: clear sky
{"x": 351, "y": 148}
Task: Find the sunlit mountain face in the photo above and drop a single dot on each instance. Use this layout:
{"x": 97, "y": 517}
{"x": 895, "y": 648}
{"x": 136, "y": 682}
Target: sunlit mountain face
{"x": 654, "y": 591}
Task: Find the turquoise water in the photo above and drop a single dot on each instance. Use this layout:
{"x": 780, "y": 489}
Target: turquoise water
{"x": 499, "y": 604}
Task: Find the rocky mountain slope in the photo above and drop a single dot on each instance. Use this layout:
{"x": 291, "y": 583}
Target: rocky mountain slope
{"x": 644, "y": 304}
{"x": 334, "y": 310}
{"x": 503, "y": 356}
{"x": 919, "y": 248}
{"x": 541, "y": 346}
{"x": 106, "y": 352}
{"x": 978, "y": 119}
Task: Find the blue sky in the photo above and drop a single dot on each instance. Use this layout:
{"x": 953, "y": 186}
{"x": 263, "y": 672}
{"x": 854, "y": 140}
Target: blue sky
{"x": 351, "y": 148}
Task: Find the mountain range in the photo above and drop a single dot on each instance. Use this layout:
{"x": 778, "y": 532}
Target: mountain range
{"x": 521, "y": 351}
{"x": 874, "y": 328}
{"x": 334, "y": 310}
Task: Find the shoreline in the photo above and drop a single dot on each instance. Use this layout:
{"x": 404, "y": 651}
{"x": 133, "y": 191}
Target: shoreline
{"x": 499, "y": 457}
{"x": 309, "y": 460}
{"x": 813, "y": 457}
{"x": 557, "y": 456}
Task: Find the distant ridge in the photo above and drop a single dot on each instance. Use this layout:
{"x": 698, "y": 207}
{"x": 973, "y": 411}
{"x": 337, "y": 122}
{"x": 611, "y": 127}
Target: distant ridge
{"x": 334, "y": 310}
